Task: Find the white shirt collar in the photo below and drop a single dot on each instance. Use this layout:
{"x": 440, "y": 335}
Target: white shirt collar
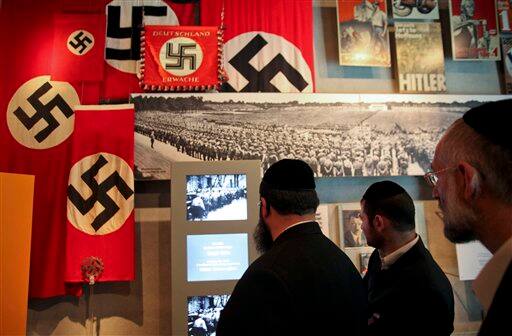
{"x": 489, "y": 278}
{"x": 391, "y": 258}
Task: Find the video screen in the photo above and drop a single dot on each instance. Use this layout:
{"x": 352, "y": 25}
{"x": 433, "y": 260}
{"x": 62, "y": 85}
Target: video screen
{"x": 215, "y": 257}
{"x": 204, "y": 314}
{"x": 216, "y": 197}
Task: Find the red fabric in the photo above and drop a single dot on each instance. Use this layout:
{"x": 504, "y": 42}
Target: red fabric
{"x": 292, "y": 20}
{"x": 103, "y": 129}
{"x": 86, "y": 66}
{"x": 206, "y": 75}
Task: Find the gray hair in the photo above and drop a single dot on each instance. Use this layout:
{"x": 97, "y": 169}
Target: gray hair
{"x": 494, "y": 163}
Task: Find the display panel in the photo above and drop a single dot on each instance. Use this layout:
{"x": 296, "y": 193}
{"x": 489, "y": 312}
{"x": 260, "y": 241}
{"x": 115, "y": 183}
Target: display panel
{"x": 216, "y": 197}
{"x": 217, "y": 256}
{"x": 415, "y": 10}
{"x": 353, "y": 235}
{"x": 204, "y": 313}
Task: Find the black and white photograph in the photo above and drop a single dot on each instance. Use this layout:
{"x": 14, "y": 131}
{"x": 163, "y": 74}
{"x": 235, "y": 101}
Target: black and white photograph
{"x": 216, "y": 197}
{"x": 337, "y": 134}
{"x": 353, "y": 235}
{"x": 204, "y": 314}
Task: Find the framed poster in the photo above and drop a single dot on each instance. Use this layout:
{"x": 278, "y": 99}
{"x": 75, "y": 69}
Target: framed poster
{"x": 507, "y": 61}
{"x": 420, "y": 57}
{"x": 474, "y": 30}
{"x": 337, "y": 134}
{"x": 505, "y": 15}
{"x": 363, "y": 34}
{"x": 415, "y": 10}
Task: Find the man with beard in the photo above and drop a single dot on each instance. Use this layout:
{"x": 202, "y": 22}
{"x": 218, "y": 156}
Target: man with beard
{"x": 302, "y": 275}
{"x": 472, "y": 180}
{"x": 408, "y": 293}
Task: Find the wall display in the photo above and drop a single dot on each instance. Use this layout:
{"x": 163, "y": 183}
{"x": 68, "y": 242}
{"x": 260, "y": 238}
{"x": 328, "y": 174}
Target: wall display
{"x": 262, "y": 53}
{"x": 209, "y": 256}
{"x": 100, "y": 218}
{"x": 364, "y": 259}
{"x": 204, "y": 313}
{"x": 363, "y": 33}
{"x": 322, "y": 217}
{"x": 415, "y": 9}
{"x": 216, "y": 197}
{"x": 176, "y": 58}
{"x": 507, "y": 62}
{"x": 474, "y": 30}
{"x": 471, "y": 258}
{"x": 217, "y": 257}
{"x": 337, "y": 134}
{"x": 505, "y": 15}
{"x": 420, "y": 57}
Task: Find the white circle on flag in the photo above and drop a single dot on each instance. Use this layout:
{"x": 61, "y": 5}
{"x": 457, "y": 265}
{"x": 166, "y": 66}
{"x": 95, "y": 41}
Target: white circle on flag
{"x": 276, "y": 45}
{"x": 83, "y": 219}
{"x": 126, "y": 8}
{"x": 40, "y": 113}
{"x": 181, "y": 56}
{"x": 80, "y": 42}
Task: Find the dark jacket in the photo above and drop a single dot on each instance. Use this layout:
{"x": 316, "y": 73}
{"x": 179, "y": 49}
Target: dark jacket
{"x": 497, "y": 320}
{"x": 411, "y": 297}
{"x": 304, "y": 285}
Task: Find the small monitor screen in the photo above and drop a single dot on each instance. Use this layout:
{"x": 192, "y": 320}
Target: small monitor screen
{"x": 216, "y": 197}
{"x": 204, "y": 313}
{"x": 217, "y": 256}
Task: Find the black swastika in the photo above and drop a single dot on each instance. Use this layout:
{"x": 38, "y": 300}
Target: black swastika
{"x": 99, "y": 193}
{"x": 260, "y": 81}
{"x": 80, "y": 42}
{"x": 114, "y": 30}
{"x": 180, "y": 57}
{"x": 43, "y": 111}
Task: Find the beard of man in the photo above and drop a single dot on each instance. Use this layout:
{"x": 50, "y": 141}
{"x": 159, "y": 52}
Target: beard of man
{"x": 262, "y": 236}
{"x": 459, "y": 219}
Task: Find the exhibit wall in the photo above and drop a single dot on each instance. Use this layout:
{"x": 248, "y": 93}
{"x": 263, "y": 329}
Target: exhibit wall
{"x": 144, "y": 306}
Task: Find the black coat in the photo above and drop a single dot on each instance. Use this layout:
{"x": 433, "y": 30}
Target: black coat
{"x": 497, "y": 320}
{"x": 304, "y": 285}
{"x": 411, "y": 297}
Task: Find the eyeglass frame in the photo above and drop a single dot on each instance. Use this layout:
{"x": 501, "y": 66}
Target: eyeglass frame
{"x": 431, "y": 176}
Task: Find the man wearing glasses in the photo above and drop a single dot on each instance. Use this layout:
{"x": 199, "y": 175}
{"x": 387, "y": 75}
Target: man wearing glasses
{"x": 408, "y": 293}
{"x": 472, "y": 181}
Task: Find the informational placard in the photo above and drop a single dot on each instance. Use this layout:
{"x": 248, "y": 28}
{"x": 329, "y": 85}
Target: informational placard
{"x": 216, "y": 257}
{"x": 474, "y": 30}
{"x": 420, "y": 57}
{"x": 363, "y": 33}
{"x": 415, "y": 9}
{"x": 471, "y": 258}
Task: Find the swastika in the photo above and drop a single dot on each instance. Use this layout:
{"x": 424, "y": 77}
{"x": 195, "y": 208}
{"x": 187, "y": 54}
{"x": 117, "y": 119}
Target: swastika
{"x": 181, "y": 56}
{"x": 115, "y": 31}
{"x": 260, "y": 81}
{"x": 99, "y": 193}
{"x": 80, "y": 41}
{"x": 43, "y": 112}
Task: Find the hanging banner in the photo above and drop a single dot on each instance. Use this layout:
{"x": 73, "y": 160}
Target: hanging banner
{"x": 100, "y": 218}
{"x": 124, "y": 22}
{"x": 420, "y": 57}
{"x": 474, "y": 30}
{"x": 363, "y": 33}
{"x": 507, "y": 61}
{"x": 268, "y": 43}
{"x": 176, "y": 58}
{"x": 415, "y": 9}
{"x": 505, "y": 15}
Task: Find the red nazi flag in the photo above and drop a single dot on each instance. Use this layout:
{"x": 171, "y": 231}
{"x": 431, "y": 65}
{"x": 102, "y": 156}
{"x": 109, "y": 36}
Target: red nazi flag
{"x": 100, "y": 217}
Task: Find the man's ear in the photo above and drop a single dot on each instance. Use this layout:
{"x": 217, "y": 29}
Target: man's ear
{"x": 379, "y": 223}
{"x": 264, "y": 210}
{"x": 471, "y": 179}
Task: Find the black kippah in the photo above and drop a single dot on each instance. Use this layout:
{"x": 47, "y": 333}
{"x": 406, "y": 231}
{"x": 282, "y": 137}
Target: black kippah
{"x": 382, "y": 190}
{"x": 288, "y": 174}
{"x": 490, "y": 120}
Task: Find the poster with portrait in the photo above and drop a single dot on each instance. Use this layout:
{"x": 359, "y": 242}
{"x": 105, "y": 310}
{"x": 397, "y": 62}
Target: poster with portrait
{"x": 363, "y": 34}
{"x": 504, "y": 8}
{"x": 474, "y": 30}
{"x": 420, "y": 57}
{"x": 353, "y": 235}
{"x": 507, "y": 62}
{"x": 415, "y": 10}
